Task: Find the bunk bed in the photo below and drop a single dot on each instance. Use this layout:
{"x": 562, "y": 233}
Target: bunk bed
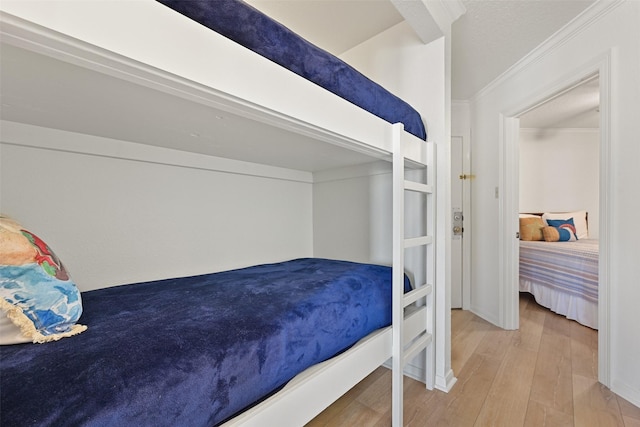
{"x": 172, "y": 63}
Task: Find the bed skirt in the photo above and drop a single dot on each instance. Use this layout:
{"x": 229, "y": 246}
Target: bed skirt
{"x": 571, "y": 306}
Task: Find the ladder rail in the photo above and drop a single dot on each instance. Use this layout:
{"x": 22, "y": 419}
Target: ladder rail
{"x": 403, "y": 353}
{"x": 397, "y": 316}
{"x": 430, "y": 209}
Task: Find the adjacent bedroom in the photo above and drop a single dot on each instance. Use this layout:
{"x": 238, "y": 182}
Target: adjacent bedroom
{"x": 559, "y": 203}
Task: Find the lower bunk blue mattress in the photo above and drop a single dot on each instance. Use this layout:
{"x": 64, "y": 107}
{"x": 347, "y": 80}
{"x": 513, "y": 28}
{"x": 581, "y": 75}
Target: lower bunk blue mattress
{"x": 193, "y": 351}
{"x": 254, "y": 30}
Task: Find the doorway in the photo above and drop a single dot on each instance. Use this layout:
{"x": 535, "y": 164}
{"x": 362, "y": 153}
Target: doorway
{"x": 509, "y": 206}
{"x": 559, "y": 150}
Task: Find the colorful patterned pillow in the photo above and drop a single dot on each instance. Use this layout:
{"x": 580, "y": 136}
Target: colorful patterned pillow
{"x": 531, "y": 228}
{"x": 563, "y": 233}
{"x": 579, "y": 219}
{"x": 566, "y": 224}
{"x": 36, "y": 292}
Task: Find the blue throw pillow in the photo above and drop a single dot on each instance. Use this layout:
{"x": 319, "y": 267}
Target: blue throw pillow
{"x": 567, "y": 226}
{"x": 36, "y": 292}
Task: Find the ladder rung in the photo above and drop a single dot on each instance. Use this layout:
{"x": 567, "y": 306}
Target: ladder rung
{"x": 420, "y": 344}
{"x": 418, "y": 241}
{"x": 418, "y": 187}
{"x": 416, "y": 294}
{"x": 415, "y": 323}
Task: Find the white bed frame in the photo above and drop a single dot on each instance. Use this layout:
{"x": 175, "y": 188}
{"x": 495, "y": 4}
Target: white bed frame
{"x": 169, "y": 61}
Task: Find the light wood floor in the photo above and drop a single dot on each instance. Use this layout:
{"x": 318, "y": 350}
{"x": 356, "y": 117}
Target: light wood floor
{"x": 544, "y": 374}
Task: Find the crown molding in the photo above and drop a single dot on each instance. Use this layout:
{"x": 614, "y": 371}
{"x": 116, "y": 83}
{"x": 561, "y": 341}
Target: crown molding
{"x": 580, "y": 23}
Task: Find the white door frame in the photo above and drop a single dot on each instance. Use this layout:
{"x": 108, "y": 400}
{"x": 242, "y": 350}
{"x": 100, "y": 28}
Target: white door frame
{"x": 509, "y": 203}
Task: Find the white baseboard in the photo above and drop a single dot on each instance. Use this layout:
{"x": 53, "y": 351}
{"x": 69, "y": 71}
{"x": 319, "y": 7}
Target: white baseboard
{"x": 446, "y": 382}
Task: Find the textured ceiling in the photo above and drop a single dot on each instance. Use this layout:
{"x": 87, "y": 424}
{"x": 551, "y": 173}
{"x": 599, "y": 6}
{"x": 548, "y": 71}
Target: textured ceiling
{"x": 574, "y": 108}
{"x": 493, "y": 35}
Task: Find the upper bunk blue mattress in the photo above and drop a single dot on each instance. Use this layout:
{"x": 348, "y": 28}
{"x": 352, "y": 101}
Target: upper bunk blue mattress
{"x": 193, "y": 351}
{"x": 249, "y": 27}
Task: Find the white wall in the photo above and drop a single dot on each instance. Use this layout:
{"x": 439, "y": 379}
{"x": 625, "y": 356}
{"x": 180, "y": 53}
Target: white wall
{"x": 417, "y": 73}
{"x": 616, "y": 33}
{"x": 405, "y": 66}
{"x": 402, "y": 64}
{"x": 559, "y": 172}
{"x": 114, "y": 219}
{"x": 460, "y": 117}
{"x": 399, "y": 61}
{"x": 345, "y": 211}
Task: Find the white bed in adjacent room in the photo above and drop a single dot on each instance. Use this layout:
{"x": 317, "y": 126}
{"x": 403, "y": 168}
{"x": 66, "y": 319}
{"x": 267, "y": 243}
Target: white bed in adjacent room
{"x": 561, "y": 275}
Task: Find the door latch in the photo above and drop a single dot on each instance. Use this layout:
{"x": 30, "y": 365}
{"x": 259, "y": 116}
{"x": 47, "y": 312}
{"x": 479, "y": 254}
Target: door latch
{"x": 457, "y": 223}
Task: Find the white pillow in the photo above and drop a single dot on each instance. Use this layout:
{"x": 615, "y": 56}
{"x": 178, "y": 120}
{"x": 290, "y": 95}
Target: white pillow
{"x": 579, "y": 221}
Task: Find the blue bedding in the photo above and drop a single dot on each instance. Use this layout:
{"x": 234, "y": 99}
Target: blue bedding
{"x": 193, "y": 351}
{"x": 249, "y": 27}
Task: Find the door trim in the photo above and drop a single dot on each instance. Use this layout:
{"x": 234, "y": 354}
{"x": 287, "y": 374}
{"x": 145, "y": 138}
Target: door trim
{"x": 508, "y": 202}
{"x": 467, "y": 212}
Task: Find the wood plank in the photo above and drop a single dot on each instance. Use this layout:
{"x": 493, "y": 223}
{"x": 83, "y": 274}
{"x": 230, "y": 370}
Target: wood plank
{"x": 495, "y": 343}
{"x": 631, "y": 422}
{"x": 462, "y": 405}
{"x": 552, "y": 384}
{"x": 594, "y": 404}
{"x": 531, "y": 325}
{"x": 630, "y": 413}
{"x": 417, "y": 400}
{"x": 466, "y": 341}
{"x": 508, "y": 397}
{"x": 557, "y": 324}
{"x": 354, "y": 414}
{"x": 459, "y": 318}
{"x": 584, "y": 351}
{"x": 378, "y": 395}
{"x": 365, "y": 386}
{"x": 542, "y": 415}
{"x": 503, "y": 380}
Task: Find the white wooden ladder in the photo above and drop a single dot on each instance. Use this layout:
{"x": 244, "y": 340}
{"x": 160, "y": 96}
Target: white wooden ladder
{"x": 413, "y": 312}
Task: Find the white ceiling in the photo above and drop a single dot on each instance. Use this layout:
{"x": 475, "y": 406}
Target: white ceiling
{"x": 494, "y": 34}
{"x": 575, "y": 108}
